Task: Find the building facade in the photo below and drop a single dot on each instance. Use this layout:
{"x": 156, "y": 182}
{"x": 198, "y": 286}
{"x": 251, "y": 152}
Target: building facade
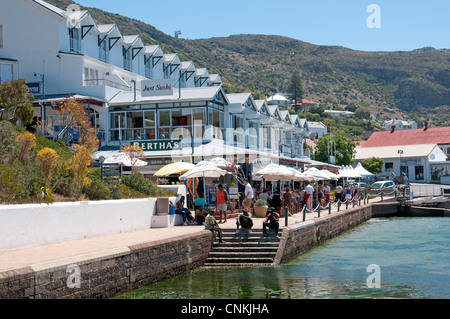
{"x": 134, "y": 92}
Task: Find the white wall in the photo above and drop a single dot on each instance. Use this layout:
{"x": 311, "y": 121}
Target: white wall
{"x": 24, "y": 226}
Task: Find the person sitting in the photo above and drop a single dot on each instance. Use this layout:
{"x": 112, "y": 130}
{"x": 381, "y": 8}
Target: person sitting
{"x": 200, "y": 209}
{"x": 271, "y": 222}
{"x": 211, "y": 224}
{"x": 184, "y": 212}
{"x": 245, "y": 221}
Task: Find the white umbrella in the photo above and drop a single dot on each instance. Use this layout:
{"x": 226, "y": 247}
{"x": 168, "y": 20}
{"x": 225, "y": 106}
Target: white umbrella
{"x": 314, "y": 175}
{"x": 218, "y": 162}
{"x": 348, "y": 171}
{"x": 204, "y": 171}
{"x": 276, "y": 172}
{"x": 125, "y": 160}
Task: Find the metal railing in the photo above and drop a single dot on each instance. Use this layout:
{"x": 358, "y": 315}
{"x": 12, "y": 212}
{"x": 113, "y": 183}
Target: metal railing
{"x": 361, "y": 201}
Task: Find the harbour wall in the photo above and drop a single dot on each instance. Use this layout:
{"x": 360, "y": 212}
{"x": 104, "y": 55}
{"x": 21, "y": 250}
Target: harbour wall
{"x": 108, "y": 273}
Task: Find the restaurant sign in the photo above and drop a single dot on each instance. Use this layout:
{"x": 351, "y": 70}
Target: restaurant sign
{"x": 159, "y": 145}
{"x": 157, "y": 87}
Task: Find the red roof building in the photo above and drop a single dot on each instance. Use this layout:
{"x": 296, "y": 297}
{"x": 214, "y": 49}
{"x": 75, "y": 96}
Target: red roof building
{"x": 433, "y": 135}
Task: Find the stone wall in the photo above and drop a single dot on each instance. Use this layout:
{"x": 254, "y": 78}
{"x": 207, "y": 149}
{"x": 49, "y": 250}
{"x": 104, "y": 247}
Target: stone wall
{"x": 107, "y": 273}
{"x": 300, "y": 238}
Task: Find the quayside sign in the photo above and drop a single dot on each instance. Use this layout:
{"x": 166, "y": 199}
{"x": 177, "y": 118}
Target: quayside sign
{"x": 159, "y": 145}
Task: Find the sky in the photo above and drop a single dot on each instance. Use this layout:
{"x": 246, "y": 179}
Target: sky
{"x": 367, "y": 25}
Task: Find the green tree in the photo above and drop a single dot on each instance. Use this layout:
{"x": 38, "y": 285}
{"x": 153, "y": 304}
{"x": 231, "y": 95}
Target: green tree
{"x": 16, "y": 102}
{"x": 295, "y": 88}
{"x": 373, "y": 164}
{"x": 362, "y": 113}
{"x": 345, "y": 149}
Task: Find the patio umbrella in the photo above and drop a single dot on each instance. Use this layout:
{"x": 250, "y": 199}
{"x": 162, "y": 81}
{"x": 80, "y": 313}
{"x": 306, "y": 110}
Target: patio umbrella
{"x": 274, "y": 172}
{"x": 203, "y": 171}
{"x": 125, "y": 160}
{"x": 178, "y": 168}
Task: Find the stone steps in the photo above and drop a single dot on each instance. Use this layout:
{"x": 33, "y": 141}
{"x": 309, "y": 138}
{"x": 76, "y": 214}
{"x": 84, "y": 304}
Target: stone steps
{"x": 243, "y": 250}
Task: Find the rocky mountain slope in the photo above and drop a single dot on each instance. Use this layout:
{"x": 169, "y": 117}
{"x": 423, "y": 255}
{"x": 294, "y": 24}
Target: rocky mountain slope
{"x": 413, "y": 84}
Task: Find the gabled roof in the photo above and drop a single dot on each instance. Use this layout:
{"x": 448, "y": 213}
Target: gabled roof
{"x": 51, "y": 8}
{"x": 434, "y": 135}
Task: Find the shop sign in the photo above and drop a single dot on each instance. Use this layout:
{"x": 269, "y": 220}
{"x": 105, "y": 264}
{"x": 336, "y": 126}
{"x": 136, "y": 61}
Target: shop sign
{"x": 157, "y": 87}
{"x": 159, "y": 145}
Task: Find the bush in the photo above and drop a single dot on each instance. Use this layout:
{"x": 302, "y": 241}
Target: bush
{"x": 139, "y": 183}
{"x": 96, "y": 189}
{"x": 261, "y": 203}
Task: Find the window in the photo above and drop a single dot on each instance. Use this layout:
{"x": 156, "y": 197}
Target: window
{"x": 404, "y": 170}
{"x": 1, "y": 35}
{"x": 388, "y": 167}
{"x": 6, "y": 72}
{"x": 148, "y": 68}
{"x": 103, "y": 52}
{"x": 90, "y": 77}
{"x": 75, "y": 40}
{"x": 127, "y": 60}
{"x": 419, "y": 173}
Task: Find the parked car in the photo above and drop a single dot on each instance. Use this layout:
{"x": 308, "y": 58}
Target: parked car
{"x": 382, "y": 185}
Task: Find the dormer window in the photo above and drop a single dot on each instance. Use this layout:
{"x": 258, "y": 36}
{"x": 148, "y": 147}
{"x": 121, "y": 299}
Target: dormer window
{"x": 75, "y": 40}
{"x": 104, "y": 52}
{"x": 127, "y": 60}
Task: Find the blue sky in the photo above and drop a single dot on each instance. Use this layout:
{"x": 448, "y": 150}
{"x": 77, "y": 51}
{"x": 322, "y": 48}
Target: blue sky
{"x": 404, "y": 24}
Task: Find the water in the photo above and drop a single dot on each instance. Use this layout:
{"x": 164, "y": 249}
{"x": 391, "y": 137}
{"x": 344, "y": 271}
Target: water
{"x": 412, "y": 255}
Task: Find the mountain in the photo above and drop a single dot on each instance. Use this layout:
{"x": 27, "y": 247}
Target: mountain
{"x": 413, "y": 84}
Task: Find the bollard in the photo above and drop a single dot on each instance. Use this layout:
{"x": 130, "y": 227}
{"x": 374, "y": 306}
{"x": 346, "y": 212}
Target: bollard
{"x": 286, "y": 214}
{"x": 353, "y": 203}
{"x": 339, "y": 206}
{"x": 346, "y": 204}
{"x": 329, "y": 208}
{"x": 304, "y": 213}
{"x": 319, "y": 210}
{"x": 381, "y": 196}
{"x": 359, "y": 201}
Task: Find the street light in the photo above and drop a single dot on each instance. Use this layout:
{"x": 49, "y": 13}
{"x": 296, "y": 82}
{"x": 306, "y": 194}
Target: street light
{"x": 400, "y": 152}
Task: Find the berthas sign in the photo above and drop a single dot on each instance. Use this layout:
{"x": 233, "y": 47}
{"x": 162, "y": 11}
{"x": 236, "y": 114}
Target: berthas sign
{"x": 157, "y": 87}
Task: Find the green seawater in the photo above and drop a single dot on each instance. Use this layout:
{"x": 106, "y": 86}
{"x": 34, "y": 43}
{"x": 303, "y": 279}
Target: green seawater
{"x": 412, "y": 254}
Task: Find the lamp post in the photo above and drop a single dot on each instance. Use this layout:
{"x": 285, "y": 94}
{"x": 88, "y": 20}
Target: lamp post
{"x": 400, "y": 152}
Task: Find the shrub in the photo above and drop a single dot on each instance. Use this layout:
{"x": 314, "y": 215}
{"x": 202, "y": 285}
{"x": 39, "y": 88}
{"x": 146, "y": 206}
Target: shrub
{"x": 46, "y": 159}
{"x": 9, "y": 186}
{"x": 96, "y": 189}
{"x": 261, "y": 203}
{"x": 139, "y": 183}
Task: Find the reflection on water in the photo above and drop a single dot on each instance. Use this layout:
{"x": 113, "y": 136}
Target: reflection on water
{"x": 411, "y": 252}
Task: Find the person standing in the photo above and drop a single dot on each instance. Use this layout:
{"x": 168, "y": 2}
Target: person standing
{"x": 338, "y": 192}
{"x": 222, "y": 203}
{"x": 326, "y": 192}
{"x": 309, "y": 191}
{"x": 248, "y": 193}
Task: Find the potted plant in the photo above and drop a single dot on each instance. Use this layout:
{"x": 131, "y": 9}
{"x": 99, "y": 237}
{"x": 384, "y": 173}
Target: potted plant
{"x": 260, "y": 208}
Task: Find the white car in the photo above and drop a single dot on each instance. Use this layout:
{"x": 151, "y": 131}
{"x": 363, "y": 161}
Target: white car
{"x": 382, "y": 185}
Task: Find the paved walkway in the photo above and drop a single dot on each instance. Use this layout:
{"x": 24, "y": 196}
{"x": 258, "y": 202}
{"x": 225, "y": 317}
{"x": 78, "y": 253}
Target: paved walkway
{"x": 58, "y": 251}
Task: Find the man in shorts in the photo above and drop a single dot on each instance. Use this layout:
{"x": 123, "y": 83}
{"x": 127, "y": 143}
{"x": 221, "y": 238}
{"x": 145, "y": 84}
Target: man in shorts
{"x": 248, "y": 201}
{"x": 222, "y": 203}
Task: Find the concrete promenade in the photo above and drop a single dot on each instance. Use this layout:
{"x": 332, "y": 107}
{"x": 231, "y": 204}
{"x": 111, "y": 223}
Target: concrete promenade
{"x": 49, "y": 253}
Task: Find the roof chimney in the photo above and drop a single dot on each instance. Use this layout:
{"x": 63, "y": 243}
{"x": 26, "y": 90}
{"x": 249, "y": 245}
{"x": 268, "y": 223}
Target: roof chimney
{"x": 425, "y": 127}
{"x": 392, "y": 129}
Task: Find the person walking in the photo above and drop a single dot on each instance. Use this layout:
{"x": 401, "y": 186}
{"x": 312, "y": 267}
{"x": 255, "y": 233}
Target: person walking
{"x": 326, "y": 191}
{"x": 338, "y": 193}
{"x": 211, "y": 224}
{"x": 309, "y": 191}
{"x": 222, "y": 203}
{"x": 248, "y": 193}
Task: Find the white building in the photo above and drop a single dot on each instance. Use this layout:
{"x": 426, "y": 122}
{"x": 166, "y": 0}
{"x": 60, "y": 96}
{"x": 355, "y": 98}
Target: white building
{"x": 399, "y": 124}
{"x": 279, "y": 99}
{"x": 318, "y": 129}
{"x": 416, "y": 161}
{"x": 334, "y": 113}
{"x": 63, "y": 54}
